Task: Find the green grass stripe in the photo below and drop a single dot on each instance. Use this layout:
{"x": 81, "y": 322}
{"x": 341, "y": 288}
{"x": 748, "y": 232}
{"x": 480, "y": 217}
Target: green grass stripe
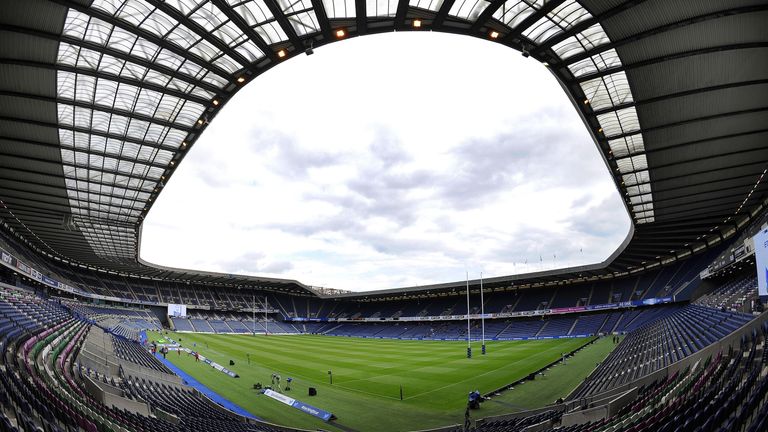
{"x": 367, "y": 374}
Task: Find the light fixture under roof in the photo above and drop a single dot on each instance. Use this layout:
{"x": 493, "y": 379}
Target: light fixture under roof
{"x": 340, "y": 33}
{"x": 281, "y": 53}
{"x": 240, "y": 79}
{"x": 494, "y": 34}
{"x": 417, "y": 23}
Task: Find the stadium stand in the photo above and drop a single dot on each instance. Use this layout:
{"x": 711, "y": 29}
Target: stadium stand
{"x": 662, "y": 342}
{"x": 672, "y": 94}
{"x": 733, "y": 294}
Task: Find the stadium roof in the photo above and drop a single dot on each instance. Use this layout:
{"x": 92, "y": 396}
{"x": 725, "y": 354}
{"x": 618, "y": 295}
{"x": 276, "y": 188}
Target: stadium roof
{"x": 101, "y": 100}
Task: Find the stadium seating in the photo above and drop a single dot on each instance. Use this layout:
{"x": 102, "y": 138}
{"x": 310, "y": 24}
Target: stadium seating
{"x": 134, "y": 353}
{"x": 731, "y": 295}
{"x": 37, "y": 398}
{"x": 661, "y": 343}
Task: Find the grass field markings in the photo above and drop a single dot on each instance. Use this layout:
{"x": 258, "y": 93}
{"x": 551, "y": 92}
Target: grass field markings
{"x": 482, "y": 374}
{"x": 263, "y": 346}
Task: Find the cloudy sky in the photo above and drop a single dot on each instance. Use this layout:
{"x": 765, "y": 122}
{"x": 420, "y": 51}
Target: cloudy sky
{"x": 387, "y": 161}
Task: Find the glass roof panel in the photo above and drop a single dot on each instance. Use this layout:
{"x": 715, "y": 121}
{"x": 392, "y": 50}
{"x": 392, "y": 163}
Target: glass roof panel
{"x": 632, "y": 163}
{"x": 642, "y": 207}
{"x": 607, "y": 91}
{"x": 184, "y": 6}
{"x": 182, "y": 36}
{"x": 249, "y": 50}
{"x": 340, "y": 8}
{"x": 121, "y": 39}
{"x": 254, "y": 12}
{"x": 304, "y": 23}
{"x": 512, "y": 12}
{"x": 158, "y": 23}
{"x": 635, "y": 178}
{"x": 626, "y": 146}
{"x": 597, "y": 63}
{"x": 619, "y": 122}
{"x": 205, "y": 50}
{"x": 208, "y": 16}
{"x": 294, "y": 6}
{"x": 433, "y": 5}
{"x": 584, "y": 41}
{"x": 132, "y": 11}
{"x": 230, "y": 34}
{"x": 227, "y": 63}
{"x": 640, "y": 199}
{"x": 98, "y": 31}
{"x": 271, "y": 32}
{"x": 75, "y": 24}
{"x": 381, "y": 8}
{"x": 561, "y": 18}
{"x": 468, "y": 9}
{"x": 639, "y": 189}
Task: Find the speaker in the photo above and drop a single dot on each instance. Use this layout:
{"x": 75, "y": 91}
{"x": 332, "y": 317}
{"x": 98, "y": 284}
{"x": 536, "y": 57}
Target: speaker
{"x": 312, "y": 391}
{"x": 532, "y": 377}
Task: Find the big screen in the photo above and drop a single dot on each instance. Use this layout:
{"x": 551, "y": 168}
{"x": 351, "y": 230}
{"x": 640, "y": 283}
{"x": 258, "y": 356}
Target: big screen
{"x": 177, "y": 310}
{"x": 761, "y": 261}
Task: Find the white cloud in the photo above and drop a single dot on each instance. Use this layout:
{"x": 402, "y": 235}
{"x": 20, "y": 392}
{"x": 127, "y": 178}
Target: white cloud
{"x": 391, "y": 160}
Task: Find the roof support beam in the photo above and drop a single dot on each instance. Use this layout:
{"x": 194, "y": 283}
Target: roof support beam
{"x": 680, "y": 94}
{"x": 662, "y": 29}
{"x": 361, "y": 15}
{"x": 680, "y": 55}
{"x": 690, "y": 121}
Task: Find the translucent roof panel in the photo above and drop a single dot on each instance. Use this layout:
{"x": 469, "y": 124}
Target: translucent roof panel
{"x": 304, "y": 23}
{"x": 632, "y": 163}
{"x": 381, "y": 8}
{"x": 639, "y": 189}
{"x": 433, "y": 5}
{"x": 627, "y": 145}
{"x": 636, "y": 178}
{"x": 607, "y": 91}
{"x": 143, "y": 15}
{"x": 640, "y": 199}
{"x": 165, "y": 61}
{"x": 339, "y": 8}
{"x": 557, "y": 21}
{"x": 586, "y": 40}
{"x": 619, "y": 122}
{"x": 254, "y": 12}
{"x": 597, "y": 63}
{"x": 513, "y": 12}
{"x": 468, "y": 9}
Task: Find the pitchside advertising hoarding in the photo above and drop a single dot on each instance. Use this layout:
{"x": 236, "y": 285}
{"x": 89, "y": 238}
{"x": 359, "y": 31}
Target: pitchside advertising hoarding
{"x": 761, "y": 262}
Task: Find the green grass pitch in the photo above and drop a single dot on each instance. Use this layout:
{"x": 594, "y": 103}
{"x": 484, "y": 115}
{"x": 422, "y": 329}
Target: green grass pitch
{"x": 367, "y": 374}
